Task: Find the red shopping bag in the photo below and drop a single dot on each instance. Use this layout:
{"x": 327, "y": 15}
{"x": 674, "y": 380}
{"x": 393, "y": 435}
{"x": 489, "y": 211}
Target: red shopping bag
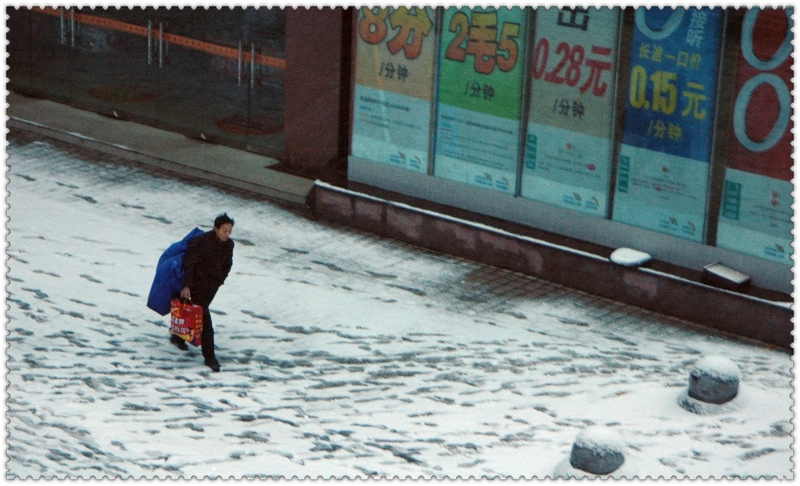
{"x": 186, "y": 321}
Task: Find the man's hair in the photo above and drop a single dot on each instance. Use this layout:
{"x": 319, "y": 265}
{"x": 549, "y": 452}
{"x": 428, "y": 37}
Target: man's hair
{"x": 223, "y": 219}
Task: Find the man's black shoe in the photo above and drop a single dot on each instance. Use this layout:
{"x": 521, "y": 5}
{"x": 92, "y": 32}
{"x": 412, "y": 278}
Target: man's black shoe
{"x": 178, "y": 342}
{"x": 213, "y": 364}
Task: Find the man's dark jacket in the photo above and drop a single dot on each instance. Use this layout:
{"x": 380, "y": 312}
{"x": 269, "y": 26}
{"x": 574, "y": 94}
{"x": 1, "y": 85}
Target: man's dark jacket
{"x": 206, "y": 265}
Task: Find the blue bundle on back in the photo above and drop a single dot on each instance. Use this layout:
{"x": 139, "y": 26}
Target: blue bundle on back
{"x": 168, "y": 280}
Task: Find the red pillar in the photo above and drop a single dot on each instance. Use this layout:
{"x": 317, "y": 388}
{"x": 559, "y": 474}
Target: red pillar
{"x": 317, "y": 88}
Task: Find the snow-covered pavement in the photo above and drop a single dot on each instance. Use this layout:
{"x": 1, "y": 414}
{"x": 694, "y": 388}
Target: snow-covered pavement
{"x": 342, "y": 354}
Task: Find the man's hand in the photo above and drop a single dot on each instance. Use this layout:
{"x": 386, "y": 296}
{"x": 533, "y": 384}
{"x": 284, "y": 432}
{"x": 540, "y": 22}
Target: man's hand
{"x": 186, "y": 293}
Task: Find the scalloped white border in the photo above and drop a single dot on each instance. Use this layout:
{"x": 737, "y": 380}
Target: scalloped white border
{"x": 435, "y": 3}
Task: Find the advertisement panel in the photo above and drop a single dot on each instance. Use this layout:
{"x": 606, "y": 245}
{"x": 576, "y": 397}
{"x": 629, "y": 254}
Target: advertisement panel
{"x": 568, "y": 144}
{"x": 755, "y": 215}
{"x": 394, "y": 86}
{"x": 480, "y": 96}
{"x": 663, "y": 166}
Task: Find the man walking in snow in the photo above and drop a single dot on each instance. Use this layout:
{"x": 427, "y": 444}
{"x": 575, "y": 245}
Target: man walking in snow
{"x": 206, "y": 265}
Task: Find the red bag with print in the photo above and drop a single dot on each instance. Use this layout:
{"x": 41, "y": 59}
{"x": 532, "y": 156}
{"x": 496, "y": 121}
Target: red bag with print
{"x": 186, "y": 321}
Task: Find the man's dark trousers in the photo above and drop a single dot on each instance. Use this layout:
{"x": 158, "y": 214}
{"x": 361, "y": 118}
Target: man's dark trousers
{"x": 204, "y": 298}
{"x": 207, "y": 336}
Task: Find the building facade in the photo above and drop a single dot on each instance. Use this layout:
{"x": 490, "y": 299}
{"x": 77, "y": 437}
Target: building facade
{"x": 664, "y": 130}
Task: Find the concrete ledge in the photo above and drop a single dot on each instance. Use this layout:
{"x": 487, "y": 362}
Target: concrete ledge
{"x": 158, "y": 148}
{"x": 453, "y": 197}
{"x": 743, "y": 315}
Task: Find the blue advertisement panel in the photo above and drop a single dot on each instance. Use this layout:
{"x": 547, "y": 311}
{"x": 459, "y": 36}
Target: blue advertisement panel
{"x": 663, "y": 165}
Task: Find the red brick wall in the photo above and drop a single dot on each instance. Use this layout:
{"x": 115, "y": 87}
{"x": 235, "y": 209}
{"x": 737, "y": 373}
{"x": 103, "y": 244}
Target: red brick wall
{"x": 317, "y": 79}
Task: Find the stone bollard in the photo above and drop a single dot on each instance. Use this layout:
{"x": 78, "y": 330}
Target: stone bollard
{"x": 597, "y": 450}
{"x": 714, "y": 379}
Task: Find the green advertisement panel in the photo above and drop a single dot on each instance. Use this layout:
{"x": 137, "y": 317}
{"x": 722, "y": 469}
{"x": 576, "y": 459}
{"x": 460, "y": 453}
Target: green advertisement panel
{"x": 395, "y": 55}
{"x": 569, "y": 141}
{"x": 481, "y": 59}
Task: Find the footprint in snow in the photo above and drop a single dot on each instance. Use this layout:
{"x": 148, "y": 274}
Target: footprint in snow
{"x": 295, "y": 250}
{"x": 37, "y": 293}
{"x": 90, "y": 278}
{"x": 21, "y": 303}
{"x": 118, "y": 291}
{"x": 131, "y": 206}
{"x": 413, "y": 290}
{"x": 257, "y": 316}
{"x": 160, "y": 219}
{"x": 382, "y": 275}
{"x": 74, "y": 314}
{"x": 86, "y": 198}
{"x": 334, "y": 267}
{"x": 43, "y": 272}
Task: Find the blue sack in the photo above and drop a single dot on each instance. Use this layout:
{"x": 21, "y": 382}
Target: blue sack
{"x": 169, "y": 275}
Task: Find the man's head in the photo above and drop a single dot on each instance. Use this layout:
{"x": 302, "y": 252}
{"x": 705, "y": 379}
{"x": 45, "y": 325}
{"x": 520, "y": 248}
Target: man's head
{"x": 223, "y": 226}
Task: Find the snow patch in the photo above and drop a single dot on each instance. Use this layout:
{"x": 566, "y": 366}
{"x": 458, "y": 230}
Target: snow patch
{"x": 700, "y": 407}
{"x": 602, "y": 439}
{"x": 628, "y": 257}
{"x": 717, "y": 367}
{"x": 332, "y": 373}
